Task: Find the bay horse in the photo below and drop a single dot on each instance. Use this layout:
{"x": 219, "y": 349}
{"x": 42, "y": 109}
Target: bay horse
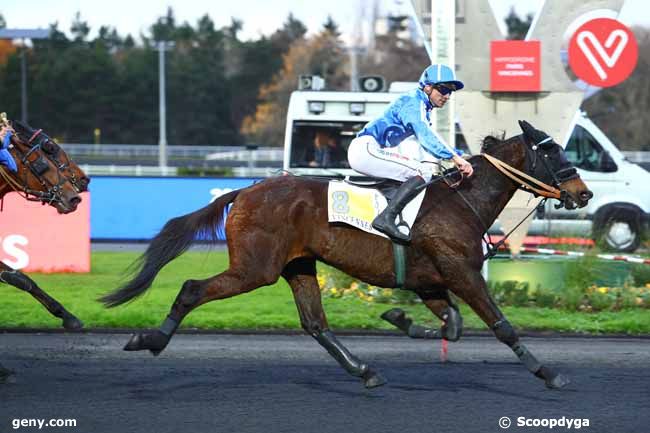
{"x": 44, "y": 173}
{"x": 279, "y": 228}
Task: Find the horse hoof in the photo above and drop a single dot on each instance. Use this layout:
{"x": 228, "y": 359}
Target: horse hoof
{"x": 557, "y": 382}
{"x": 71, "y": 323}
{"x": 397, "y": 318}
{"x": 373, "y": 379}
{"x": 393, "y": 315}
{"x": 135, "y": 343}
{"x": 551, "y": 379}
{"x": 453, "y": 327}
{"x": 154, "y": 342}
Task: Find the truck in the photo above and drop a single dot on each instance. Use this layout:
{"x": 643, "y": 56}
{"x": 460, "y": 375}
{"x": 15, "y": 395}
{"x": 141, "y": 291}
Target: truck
{"x": 616, "y": 218}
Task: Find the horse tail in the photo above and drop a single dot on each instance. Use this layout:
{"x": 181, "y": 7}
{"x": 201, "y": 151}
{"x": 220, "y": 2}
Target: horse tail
{"x": 173, "y": 240}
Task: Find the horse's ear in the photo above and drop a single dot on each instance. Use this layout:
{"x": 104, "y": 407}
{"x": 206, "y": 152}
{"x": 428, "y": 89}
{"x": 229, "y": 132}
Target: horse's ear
{"x": 535, "y": 135}
{"x": 527, "y": 128}
{"x": 21, "y": 127}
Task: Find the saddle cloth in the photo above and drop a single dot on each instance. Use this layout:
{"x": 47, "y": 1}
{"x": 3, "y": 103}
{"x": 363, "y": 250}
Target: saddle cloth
{"x": 358, "y": 206}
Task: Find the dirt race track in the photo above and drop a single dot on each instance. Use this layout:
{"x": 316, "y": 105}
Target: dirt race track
{"x": 282, "y": 383}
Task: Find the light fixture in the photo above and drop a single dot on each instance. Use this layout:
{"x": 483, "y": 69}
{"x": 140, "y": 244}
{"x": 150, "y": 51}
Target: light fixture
{"x": 311, "y": 82}
{"x": 316, "y": 107}
{"x": 357, "y": 108}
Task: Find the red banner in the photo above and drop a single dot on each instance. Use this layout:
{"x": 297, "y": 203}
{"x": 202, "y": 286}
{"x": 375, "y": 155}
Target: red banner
{"x": 515, "y": 66}
{"x": 36, "y": 238}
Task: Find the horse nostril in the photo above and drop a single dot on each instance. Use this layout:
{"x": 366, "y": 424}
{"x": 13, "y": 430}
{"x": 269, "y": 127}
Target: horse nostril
{"x": 586, "y": 195}
{"x": 74, "y": 201}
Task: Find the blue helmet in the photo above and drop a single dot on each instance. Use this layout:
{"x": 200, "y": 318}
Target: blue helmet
{"x": 436, "y": 74}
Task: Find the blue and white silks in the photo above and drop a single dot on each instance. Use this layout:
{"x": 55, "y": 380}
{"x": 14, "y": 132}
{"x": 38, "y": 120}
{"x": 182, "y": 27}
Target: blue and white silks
{"x": 406, "y": 116}
{"x": 5, "y": 156}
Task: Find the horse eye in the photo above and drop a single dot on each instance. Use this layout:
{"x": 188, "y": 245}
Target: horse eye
{"x": 50, "y": 148}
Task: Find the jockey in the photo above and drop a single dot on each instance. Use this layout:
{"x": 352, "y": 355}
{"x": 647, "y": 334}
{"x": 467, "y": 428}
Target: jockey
{"x": 398, "y": 144}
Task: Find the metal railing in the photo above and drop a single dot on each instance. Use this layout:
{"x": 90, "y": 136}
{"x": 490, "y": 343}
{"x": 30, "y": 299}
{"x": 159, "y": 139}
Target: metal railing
{"x": 142, "y": 159}
{"x": 125, "y": 150}
{"x": 245, "y": 161}
{"x": 128, "y": 170}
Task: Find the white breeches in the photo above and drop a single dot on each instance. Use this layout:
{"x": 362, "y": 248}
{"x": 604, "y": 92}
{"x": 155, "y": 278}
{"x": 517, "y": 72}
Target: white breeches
{"x": 401, "y": 162}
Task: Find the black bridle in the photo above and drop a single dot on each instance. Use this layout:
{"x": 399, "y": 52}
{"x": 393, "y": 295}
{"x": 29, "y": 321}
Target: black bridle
{"x": 543, "y": 151}
{"x": 546, "y": 151}
{"x": 53, "y": 152}
{"x": 38, "y": 165}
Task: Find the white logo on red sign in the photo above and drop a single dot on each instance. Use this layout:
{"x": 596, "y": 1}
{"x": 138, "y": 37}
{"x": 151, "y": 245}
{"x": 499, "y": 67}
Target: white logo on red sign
{"x": 12, "y": 254}
{"x": 603, "y": 52}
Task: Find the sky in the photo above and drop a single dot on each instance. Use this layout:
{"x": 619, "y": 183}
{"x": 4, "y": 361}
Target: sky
{"x": 259, "y": 16}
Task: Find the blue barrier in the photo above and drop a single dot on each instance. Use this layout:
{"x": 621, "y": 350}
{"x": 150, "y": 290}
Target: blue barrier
{"x": 136, "y": 208}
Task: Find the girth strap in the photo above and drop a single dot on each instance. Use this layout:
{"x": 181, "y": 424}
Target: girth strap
{"x": 399, "y": 258}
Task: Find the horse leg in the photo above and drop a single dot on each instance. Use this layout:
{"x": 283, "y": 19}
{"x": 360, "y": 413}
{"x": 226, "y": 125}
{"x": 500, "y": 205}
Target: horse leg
{"x": 250, "y": 269}
{"x": 21, "y": 281}
{"x": 473, "y": 290}
{"x": 301, "y": 276}
{"x": 441, "y": 305}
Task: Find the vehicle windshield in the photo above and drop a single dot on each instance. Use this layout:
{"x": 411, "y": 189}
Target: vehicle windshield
{"x": 322, "y": 144}
{"x": 584, "y": 151}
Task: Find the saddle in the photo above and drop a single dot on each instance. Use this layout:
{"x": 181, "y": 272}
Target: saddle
{"x": 358, "y": 203}
{"x": 386, "y": 187}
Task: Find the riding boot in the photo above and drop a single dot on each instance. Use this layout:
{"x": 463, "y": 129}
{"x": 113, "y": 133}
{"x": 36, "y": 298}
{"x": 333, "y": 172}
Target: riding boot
{"x": 385, "y": 221}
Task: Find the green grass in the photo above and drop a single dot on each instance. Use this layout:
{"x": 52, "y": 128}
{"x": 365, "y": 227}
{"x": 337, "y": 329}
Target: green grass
{"x": 269, "y": 307}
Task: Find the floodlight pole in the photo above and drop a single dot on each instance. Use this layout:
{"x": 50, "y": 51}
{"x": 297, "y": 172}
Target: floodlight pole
{"x": 24, "y": 34}
{"x": 23, "y": 81}
{"x": 162, "y": 46}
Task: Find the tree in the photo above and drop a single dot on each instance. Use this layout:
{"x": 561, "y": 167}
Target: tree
{"x": 6, "y": 47}
{"x": 234, "y": 28}
{"x": 80, "y": 83}
{"x": 395, "y": 58}
{"x": 258, "y": 62}
{"x": 79, "y": 28}
{"x": 517, "y": 28}
{"x": 330, "y": 27}
{"x": 163, "y": 29}
{"x": 322, "y": 54}
{"x": 292, "y": 30}
{"x": 198, "y": 90}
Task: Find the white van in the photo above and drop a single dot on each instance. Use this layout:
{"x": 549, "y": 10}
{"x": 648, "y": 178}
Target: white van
{"x": 616, "y": 217}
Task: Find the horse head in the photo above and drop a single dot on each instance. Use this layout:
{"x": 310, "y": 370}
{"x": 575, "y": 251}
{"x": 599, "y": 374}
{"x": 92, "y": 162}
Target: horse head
{"x": 37, "y": 167}
{"x": 55, "y": 153}
{"x": 537, "y": 155}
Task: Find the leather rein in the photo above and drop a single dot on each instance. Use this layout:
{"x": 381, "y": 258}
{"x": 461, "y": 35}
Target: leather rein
{"x": 524, "y": 182}
{"x": 523, "y": 179}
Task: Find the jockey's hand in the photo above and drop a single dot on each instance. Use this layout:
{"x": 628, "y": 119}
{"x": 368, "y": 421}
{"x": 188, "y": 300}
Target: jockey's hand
{"x": 464, "y": 166}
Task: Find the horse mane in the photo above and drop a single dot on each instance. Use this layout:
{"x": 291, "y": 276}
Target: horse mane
{"x": 492, "y": 140}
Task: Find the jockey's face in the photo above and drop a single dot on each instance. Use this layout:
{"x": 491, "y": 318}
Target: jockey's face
{"x": 438, "y": 94}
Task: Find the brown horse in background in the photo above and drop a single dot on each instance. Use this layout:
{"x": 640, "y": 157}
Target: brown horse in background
{"x": 280, "y": 227}
{"x": 44, "y": 173}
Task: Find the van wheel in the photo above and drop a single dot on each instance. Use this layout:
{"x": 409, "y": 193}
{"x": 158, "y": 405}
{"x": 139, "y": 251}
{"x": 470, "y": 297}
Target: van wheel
{"x": 619, "y": 231}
